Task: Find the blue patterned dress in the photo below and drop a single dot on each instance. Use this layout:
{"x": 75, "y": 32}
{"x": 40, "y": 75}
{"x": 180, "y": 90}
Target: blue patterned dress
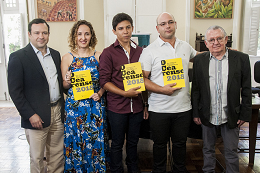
{"x": 85, "y": 135}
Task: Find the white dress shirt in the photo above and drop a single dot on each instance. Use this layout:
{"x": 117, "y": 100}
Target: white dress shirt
{"x": 51, "y": 74}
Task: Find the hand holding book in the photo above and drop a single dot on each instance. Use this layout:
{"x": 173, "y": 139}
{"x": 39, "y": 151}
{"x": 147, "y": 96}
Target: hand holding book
{"x": 169, "y": 89}
{"x": 132, "y": 92}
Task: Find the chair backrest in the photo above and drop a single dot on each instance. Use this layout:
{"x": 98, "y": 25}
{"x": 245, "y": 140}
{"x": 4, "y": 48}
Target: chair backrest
{"x": 257, "y": 71}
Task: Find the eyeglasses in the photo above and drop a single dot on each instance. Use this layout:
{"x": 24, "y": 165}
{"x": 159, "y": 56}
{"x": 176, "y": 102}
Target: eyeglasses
{"x": 170, "y": 22}
{"x": 212, "y": 41}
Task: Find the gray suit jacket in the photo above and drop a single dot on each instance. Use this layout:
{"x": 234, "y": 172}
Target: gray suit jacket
{"x": 239, "y": 84}
{"x": 28, "y": 86}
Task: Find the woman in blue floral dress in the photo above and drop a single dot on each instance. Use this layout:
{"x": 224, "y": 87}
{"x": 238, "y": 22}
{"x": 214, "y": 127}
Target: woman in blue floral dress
{"x": 85, "y": 136}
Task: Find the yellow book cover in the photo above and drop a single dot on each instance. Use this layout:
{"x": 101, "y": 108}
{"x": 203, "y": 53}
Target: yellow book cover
{"x": 132, "y": 76}
{"x": 82, "y": 84}
{"x": 172, "y": 70}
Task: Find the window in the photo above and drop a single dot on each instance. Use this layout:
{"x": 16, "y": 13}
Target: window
{"x": 254, "y": 31}
{"x": 258, "y": 48}
{"x": 12, "y": 27}
{"x": 12, "y": 33}
{"x": 257, "y": 3}
{"x": 11, "y": 5}
{"x": 256, "y": 6}
{"x": 251, "y": 27}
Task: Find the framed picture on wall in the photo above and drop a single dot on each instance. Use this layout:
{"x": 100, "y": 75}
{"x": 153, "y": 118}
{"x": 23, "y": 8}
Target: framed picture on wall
{"x": 57, "y": 10}
{"x": 213, "y": 9}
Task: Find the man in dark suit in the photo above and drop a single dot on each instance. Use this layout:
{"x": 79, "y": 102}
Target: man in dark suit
{"x": 35, "y": 86}
{"x": 220, "y": 77}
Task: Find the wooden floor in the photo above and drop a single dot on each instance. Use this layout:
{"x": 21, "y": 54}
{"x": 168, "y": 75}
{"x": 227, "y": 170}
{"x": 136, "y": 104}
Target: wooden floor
{"x": 14, "y": 152}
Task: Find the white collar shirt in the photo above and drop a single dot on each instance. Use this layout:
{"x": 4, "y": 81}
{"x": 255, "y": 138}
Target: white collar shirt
{"x": 50, "y": 72}
{"x": 218, "y": 79}
{"x": 128, "y": 56}
{"x": 151, "y": 58}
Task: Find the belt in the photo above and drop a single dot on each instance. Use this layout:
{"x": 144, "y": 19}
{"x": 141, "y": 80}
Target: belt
{"x": 55, "y": 103}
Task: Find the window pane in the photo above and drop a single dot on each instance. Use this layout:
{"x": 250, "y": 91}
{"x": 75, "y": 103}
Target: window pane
{"x": 12, "y": 32}
{"x": 258, "y": 48}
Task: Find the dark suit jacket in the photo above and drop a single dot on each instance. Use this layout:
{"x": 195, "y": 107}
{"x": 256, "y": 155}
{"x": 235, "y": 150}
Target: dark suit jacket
{"x": 239, "y": 83}
{"x": 28, "y": 86}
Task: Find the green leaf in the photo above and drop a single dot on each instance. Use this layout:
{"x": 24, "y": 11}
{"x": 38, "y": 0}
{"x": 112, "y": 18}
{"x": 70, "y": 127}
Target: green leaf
{"x": 229, "y": 8}
{"x": 220, "y": 15}
{"x": 198, "y": 15}
{"x": 212, "y": 11}
{"x": 228, "y": 16}
{"x": 215, "y": 5}
{"x": 222, "y": 7}
{"x": 218, "y": 8}
{"x": 229, "y": 13}
{"x": 225, "y": 10}
{"x": 211, "y": 14}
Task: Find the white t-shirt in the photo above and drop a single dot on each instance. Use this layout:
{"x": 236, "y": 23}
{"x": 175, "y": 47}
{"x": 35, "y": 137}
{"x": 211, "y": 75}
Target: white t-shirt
{"x": 150, "y": 60}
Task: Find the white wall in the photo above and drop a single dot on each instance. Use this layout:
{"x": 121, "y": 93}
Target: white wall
{"x": 178, "y": 10}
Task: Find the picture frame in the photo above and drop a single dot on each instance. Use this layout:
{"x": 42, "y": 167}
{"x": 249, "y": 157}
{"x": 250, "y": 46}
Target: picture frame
{"x": 57, "y": 10}
{"x": 213, "y": 9}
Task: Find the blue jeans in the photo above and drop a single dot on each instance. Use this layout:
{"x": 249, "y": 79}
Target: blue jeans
{"x": 122, "y": 124}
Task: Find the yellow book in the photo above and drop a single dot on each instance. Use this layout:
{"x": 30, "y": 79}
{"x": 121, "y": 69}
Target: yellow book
{"x": 132, "y": 76}
{"x": 82, "y": 85}
{"x": 172, "y": 70}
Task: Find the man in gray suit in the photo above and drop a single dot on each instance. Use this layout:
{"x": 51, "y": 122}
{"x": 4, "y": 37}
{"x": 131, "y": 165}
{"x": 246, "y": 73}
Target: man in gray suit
{"x": 220, "y": 77}
{"x": 35, "y": 86}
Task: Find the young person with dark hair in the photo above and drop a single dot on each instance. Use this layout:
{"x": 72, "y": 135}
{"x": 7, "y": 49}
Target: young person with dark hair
{"x": 125, "y": 108}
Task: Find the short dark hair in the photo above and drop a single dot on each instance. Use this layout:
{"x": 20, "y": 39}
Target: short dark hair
{"x": 120, "y": 17}
{"x": 37, "y": 21}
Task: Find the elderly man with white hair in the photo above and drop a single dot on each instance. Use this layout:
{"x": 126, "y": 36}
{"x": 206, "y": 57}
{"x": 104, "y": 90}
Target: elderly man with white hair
{"x": 221, "y": 97}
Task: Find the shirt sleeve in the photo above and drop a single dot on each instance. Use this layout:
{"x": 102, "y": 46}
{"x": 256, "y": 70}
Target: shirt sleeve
{"x": 146, "y": 60}
{"x": 193, "y": 52}
{"x": 105, "y": 68}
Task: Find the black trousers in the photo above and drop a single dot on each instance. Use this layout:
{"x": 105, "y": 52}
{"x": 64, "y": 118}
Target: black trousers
{"x": 163, "y": 127}
{"x": 124, "y": 125}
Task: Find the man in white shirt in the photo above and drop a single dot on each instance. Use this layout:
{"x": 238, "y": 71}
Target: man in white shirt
{"x": 169, "y": 106}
